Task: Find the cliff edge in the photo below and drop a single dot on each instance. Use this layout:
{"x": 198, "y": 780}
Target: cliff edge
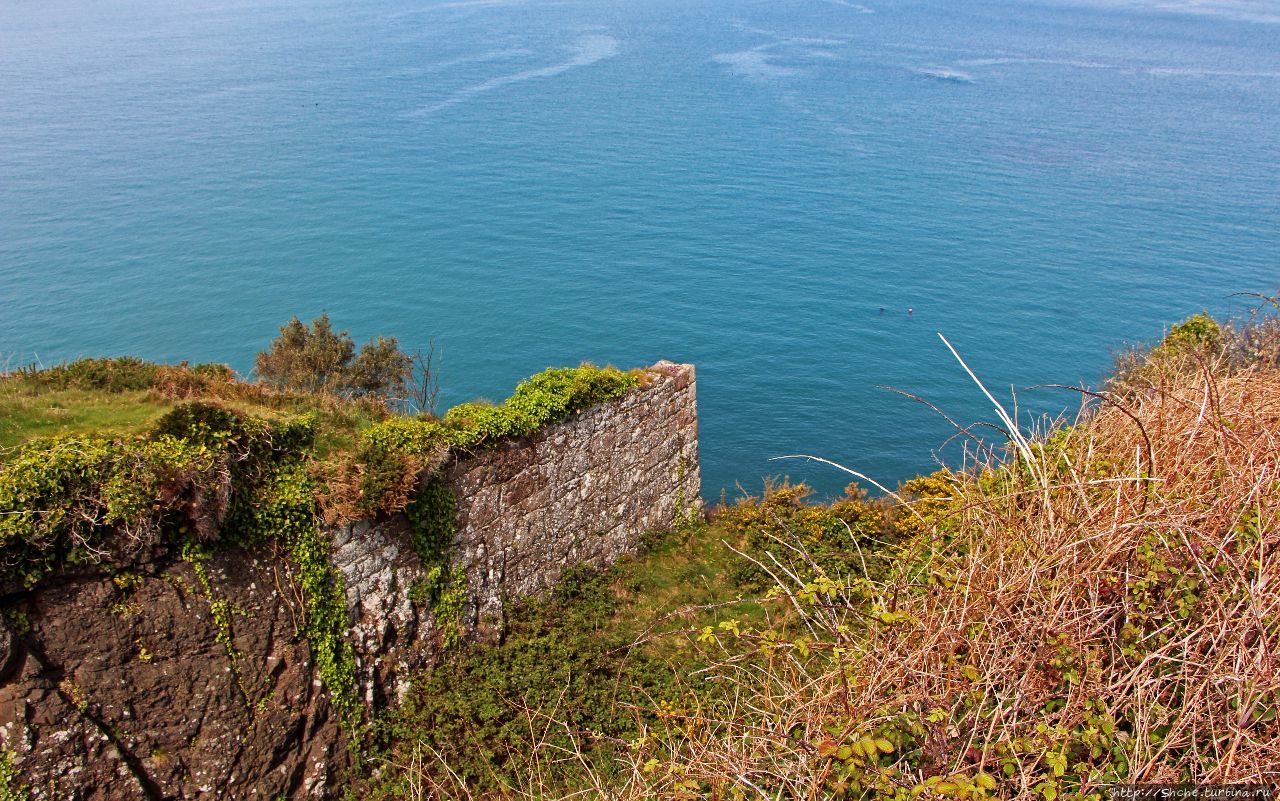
{"x": 169, "y": 671}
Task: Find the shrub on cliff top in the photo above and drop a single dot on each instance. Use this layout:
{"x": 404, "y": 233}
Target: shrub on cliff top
{"x": 837, "y": 536}
{"x": 62, "y": 499}
{"x": 1200, "y": 343}
{"x": 81, "y": 498}
{"x": 124, "y": 374}
{"x": 108, "y": 375}
{"x": 319, "y": 359}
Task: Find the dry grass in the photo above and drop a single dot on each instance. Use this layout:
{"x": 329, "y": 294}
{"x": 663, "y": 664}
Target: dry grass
{"x": 1104, "y": 609}
{"x": 1099, "y": 606}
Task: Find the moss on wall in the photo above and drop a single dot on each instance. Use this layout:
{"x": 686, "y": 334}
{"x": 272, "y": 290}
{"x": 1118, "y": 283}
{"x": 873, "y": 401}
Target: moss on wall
{"x": 208, "y": 475}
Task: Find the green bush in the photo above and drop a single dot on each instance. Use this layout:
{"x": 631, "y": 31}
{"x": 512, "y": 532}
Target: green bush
{"x": 319, "y": 359}
{"x": 548, "y": 397}
{"x": 1197, "y": 332}
{"x": 122, "y": 374}
{"x": 207, "y": 423}
{"x": 107, "y": 375}
{"x": 837, "y": 536}
{"x": 61, "y": 499}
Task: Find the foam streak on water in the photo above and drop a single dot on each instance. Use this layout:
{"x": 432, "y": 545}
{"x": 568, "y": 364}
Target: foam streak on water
{"x": 744, "y": 184}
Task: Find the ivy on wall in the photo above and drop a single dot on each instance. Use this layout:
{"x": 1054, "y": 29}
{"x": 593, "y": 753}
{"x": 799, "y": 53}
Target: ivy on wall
{"x": 92, "y": 500}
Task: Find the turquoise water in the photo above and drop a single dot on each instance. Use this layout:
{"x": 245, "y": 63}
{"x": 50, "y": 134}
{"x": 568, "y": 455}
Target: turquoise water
{"x": 735, "y": 183}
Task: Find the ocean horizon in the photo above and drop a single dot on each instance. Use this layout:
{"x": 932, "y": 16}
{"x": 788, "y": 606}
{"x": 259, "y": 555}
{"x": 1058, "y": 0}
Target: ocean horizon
{"x": 797, "y": 197}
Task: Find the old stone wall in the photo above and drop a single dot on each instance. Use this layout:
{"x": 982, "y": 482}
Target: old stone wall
{"x": 581, "y": 491}
{"x": 156, "y": 681}
{"x": 578, "y": 492}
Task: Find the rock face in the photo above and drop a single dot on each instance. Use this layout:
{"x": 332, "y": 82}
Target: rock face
{"x": 163, "y": 682}
{"x": 132, "y": 692}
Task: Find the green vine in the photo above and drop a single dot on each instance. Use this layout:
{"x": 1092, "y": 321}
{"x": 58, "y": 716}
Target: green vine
{"x": 432, "y": 519}
{"x": 10, "y": 789}
{"x": 326, "y": 624}
{"x": 286, "y": 511}
{"x": 219, "y": 608}
{"x": 443, "y": 589}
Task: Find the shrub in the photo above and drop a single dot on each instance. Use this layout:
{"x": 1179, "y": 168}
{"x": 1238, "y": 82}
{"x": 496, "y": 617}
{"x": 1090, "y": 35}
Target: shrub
{"x": 1197, "y": 332}
{"x": 319, "y": 359}
{"x": 1200, "y": 343}
{"x": 106, "y": 375}
{"x": 838, "y": 537}
{"x": 379, "y": 369}
{"x": 68, "y": 498}
{"x": 74, "y": 498}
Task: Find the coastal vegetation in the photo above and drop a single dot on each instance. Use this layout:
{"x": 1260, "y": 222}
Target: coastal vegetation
{"x": 316, "y": 358}
{"x": 107, "y": 458}
{"x": 1087, "y": 604}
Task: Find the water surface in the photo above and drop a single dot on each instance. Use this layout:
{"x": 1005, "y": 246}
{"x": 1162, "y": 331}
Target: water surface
{"x": 743, "y": 184}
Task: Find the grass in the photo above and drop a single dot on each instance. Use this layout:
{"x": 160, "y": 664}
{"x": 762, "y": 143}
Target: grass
{"x": 596, "y": 651}
{"x": 26, "y": 415}
{"x": 1096, "y": 603}
{"x": 683, "y": 571}
{"x": 126, "y": 397}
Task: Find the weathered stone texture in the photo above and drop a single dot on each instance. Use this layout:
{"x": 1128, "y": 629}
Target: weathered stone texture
{"x": 127, "y": 692}
{"x": 578, "y": 492}
{"x": 392, "y": 637}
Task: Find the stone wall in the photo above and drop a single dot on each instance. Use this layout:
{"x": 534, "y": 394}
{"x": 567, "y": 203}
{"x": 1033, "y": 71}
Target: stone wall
{"x": 123, "y": 690}
{"x": 581, "y": 491}
{"x": 578, "y": 492}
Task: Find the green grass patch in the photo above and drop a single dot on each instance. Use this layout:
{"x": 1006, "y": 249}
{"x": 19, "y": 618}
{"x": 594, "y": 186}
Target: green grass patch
{"x": 27, "y": 414}
{"x": 604, "y": 655}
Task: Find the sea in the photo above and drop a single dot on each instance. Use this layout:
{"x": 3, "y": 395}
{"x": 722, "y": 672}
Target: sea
{"x": 797, "y": 196}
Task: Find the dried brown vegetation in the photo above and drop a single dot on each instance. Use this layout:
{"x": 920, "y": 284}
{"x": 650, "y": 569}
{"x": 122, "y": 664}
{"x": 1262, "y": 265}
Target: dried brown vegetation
{"x": 1102, "y": 607}
{"x": 1098, "y": 605}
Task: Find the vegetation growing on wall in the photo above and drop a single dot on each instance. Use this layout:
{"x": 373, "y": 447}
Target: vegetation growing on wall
{"x": 1096, "y": 605}
{"x": 441, "y": 588}
{"x": 227, "y": 463}
{"x": 1097, "y": 609}
{"x": 380, "y": 474}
